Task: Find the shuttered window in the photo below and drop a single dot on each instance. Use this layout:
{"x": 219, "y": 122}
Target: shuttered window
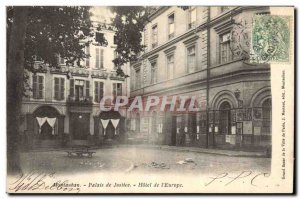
{"x": 117, "y": 89}
{"x": 101, "y": 58}
{"x": 98, "y": 91}
{"x": 59, "y": 88}
{"x": 72, "y": 87}
{"x": 87, "y": 88}
{"x": 38, "y": 86}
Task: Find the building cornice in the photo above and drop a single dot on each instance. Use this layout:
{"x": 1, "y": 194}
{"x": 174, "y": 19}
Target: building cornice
{"x": 223, "y": 16}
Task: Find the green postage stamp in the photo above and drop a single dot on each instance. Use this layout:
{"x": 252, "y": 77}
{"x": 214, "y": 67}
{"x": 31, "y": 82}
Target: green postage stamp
{"x": 270, "y": 39}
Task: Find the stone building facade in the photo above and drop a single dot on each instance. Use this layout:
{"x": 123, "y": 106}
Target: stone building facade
{"x": 62, "y": 106}
{"x": 199, "y": 52}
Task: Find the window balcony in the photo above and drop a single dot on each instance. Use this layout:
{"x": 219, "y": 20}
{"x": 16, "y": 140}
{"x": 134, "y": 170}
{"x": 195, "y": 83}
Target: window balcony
{"x": 79, "y": 100}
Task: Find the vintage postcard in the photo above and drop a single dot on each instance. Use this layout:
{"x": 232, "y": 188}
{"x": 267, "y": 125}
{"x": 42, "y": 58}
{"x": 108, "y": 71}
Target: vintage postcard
{"x": 150, "y": 99}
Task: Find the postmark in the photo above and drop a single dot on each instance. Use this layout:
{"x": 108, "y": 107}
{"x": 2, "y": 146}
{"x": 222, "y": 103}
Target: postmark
{"x": 270, "y": 39}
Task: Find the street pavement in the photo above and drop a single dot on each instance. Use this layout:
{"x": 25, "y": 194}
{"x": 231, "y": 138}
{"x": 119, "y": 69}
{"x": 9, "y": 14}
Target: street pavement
{"x": 137, "y": 159}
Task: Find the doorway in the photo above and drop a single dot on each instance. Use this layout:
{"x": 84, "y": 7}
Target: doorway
{"x": 225, "y": 119}
{"x": 80, "y": 125}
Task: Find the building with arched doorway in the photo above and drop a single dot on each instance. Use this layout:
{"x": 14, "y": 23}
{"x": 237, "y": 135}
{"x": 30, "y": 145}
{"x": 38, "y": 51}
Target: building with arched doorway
{"x": 191, "y": 52}
{"x": 62, "y": 106}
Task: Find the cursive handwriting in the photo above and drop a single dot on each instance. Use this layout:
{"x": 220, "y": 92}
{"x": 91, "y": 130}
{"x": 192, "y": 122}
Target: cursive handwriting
{"x": 254, "y": 179}
{"x": 38, "y": 180}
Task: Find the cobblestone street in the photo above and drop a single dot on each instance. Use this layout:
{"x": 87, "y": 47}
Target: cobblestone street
{"x": 143, "y": 160}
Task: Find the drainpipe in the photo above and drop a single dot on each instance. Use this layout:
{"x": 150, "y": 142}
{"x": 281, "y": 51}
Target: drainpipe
{"x": 207, "y": 77}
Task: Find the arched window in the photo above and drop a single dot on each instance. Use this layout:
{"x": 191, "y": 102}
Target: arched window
{"x": 225, "y": 119}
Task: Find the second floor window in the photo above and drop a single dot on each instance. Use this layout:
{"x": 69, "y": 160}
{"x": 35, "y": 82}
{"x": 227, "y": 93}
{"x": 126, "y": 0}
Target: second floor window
{"x": 154, "y": 36}
{"x": 171, "y": 24}
{"x": 99, "y": 58}
{"x": 79, "y": 89}
{"x": 59, "y": 88}
{"x": 117, "y": 89}
{"x": 153, "y": 73}
{"x": 192, "y": 17}
{"x": 170, "y": 66}
{"x": 98, "y": 86}
{"x": 225, "y": 52}
{"x": 38, "y": 86}
{"x": 191, "y": 59}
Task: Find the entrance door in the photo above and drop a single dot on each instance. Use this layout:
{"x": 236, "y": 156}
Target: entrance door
{"x": 46, "y": 131}
{"x": 225, "y": 120}
{"x": 80, "y": 125}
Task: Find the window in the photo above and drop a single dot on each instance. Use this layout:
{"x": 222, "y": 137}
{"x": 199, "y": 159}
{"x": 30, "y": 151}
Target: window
{"x": 99, "y": 58}
{"x": 79, "y": 89}
{"x": 99, "y": 37}
{"x": 115, "y": 54}
{"x": 154, "y": 36}
{"x": 61, "y": 60}
{"x": 98, "y": 91}
{"x": 115, "y": 39}
{"x": 138, "y": 78}
{"x": 171, "y": 24}
{"x": 170, "y": 66}
{"x": 153, "y": 73}
{"x": 59, "y": 88}
{"x": 225, "y": 52}
{"x": 192, "y": 17}
{"x": 38, "y": 86}
{"x": 191, "y": 59}
{"x": 117, "y": 89}
{"x": 87, "y": 60}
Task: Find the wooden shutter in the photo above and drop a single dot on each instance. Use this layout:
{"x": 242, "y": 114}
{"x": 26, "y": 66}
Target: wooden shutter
{"x": 87, "y": 88}
{"x": 114, "y": 89}
{"x": 62, "y": 88}
{"x": 56, "y": 88}
{"x": 96, "y": 92}
{"x": 101, "y": 58}
{"x": 97, "y": 58}
{"x": 72, "y": 87}
{"x": 101, "y": 91}
{"x": 34, "y": 86}
{"x": 40, "y": 86}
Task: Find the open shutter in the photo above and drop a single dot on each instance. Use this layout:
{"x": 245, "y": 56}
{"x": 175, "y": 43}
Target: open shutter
{"x": 62, "y": 88}
{"x": 72, "y": 87}
{"x": 96, "y": 91}
{"x": 34, "y": 86}
{"x": 41, "y": 86}
{"x": 101, "y": 91}
{"x": 87, "y": 88}
{"x": 56, "y": 88}
{"x": 101, "y": 58}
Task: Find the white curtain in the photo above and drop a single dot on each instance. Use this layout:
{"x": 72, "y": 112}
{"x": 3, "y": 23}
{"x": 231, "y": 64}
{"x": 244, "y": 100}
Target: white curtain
{"x": 104, "y": 123}
{"x": 115, "y": 123}
{"x": 41, "y": 121}
{"x": 51, "y": 122}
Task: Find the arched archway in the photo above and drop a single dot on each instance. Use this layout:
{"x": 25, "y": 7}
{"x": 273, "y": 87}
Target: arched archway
{"x": 222, "y": 96}
{"x": 225, "y": 118}
{"x": 46, "y": 122}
